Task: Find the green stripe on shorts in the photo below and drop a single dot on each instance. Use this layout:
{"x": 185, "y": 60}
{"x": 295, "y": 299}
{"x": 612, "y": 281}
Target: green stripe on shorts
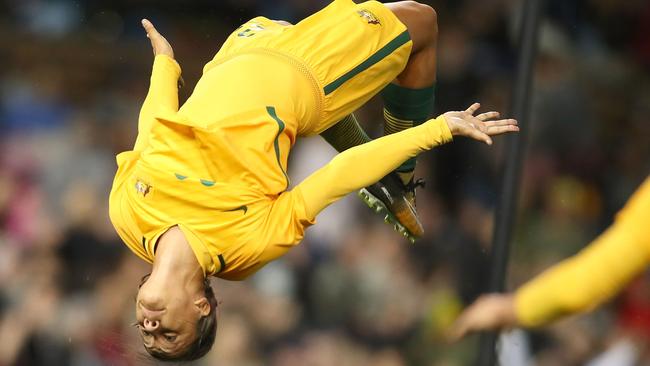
{"x": 389, "y": 48}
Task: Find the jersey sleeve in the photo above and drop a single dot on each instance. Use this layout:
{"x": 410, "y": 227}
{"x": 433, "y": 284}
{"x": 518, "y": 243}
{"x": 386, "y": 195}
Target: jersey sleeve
{"x": 366, "y": 164}
{"x": 284, "y": 227}
{"x": 162, "y": 96}
{"x": 596, "y": 273}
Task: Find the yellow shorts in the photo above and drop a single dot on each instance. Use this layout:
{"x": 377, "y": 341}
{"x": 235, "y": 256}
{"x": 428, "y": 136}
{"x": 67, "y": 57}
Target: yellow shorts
{"x": 351, "y": 51}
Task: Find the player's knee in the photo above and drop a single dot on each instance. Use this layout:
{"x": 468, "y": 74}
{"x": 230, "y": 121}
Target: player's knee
{"x": 420, "y": 19}
{"x": 424, "y": 9}
{"x": 428, "y": 18}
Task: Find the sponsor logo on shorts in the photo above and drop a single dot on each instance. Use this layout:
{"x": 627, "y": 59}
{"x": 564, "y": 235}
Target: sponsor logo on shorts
{"x": 369, "y": 16}
{"x": 142, "y": 188}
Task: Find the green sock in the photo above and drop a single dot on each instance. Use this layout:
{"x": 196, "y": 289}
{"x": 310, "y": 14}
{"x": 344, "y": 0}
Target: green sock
{"x": 405, "y": 108}
{"x": 345, "y": 134}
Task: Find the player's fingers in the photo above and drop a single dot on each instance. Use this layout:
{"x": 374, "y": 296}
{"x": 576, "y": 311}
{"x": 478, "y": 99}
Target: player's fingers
{"x": 501, "y": 122}
{"x": 479, "y": 135}
{"x": 488, "y": 115}
{"x": 147, "y": 25}
{"x": 497, "y": 130}
{"x": 501, "y": 126}
{"x": 473, "y": 108}
{"x": 464, "y": 325}
{"x": 149, "y": 28}
{"x": 457, "y": 331}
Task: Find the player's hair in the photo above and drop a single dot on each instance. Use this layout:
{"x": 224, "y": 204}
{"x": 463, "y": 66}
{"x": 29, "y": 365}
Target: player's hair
{"x": 206, "y": 330}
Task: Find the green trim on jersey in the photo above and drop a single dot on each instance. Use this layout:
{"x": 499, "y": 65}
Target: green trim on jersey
{"x": 276, "y": 142}
{"x": 222, "y": 263}
{"x": 389, "y": 48}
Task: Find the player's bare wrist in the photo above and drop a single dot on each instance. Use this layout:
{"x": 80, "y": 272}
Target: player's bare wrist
{"x": 508, "y": 313}
{"x": 167, "y": 63}
{"x": 165, "y": 53}
{"x": 452, "y": 124}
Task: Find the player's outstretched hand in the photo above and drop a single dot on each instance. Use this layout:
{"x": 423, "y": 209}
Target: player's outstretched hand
{"x": 158, "y": 42}
{"x": 489, "y": 312}
{"x": 479, "y": 127}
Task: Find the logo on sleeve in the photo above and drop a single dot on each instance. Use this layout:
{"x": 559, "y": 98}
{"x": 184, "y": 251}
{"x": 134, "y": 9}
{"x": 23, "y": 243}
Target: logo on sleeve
{"x": 142, "y": 188}
{"x": 369, "y": 16}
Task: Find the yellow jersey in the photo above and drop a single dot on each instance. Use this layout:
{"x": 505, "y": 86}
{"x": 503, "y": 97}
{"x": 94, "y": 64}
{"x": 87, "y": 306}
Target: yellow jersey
{"x": 216, "y": 166}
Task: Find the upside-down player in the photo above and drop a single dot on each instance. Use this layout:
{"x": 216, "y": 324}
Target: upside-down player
{"x": 204, "y": 192}
{"x": 575, "y": 285}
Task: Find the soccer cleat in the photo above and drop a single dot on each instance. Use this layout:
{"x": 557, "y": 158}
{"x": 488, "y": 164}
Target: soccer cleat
{"x": 396, "y": 202}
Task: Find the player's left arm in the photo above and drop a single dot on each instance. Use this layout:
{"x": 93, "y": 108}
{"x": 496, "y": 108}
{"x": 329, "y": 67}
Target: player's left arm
{"x": 366, "y": 164}
{"x": 163, "y": 89}
{"x": 574, "y": 285}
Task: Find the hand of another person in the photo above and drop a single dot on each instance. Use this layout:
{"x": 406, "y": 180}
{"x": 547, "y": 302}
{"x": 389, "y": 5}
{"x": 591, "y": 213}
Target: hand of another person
{"x": 158, "y": 42}
{"x": 479, "y": 127}
{"x": 489, "y": 312}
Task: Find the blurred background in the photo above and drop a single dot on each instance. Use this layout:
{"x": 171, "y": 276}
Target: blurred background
{"x": 74, "y": 73}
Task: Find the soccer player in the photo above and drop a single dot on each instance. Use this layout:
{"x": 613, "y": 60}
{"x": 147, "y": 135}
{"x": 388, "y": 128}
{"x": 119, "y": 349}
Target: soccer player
{"x": 204, "y": 192}
{"x": 575, "y": 285}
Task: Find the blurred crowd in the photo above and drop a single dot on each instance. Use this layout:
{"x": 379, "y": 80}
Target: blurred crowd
{"x": 73, "y": 75}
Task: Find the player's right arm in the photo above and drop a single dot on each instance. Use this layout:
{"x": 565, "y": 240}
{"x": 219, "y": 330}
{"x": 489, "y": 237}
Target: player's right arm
{"x": 163, "y": 89}
{"x": 575, "y": 285}
{"x": 366, "y": 164}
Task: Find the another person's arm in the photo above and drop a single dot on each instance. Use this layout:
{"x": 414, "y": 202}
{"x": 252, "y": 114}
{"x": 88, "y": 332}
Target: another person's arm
{"x": 577, "y": 284}
{"x": 366, "y": 164}
{"x": 163, "y": 90}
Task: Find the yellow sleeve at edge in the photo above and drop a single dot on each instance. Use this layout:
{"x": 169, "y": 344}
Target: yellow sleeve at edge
{"x": 366, "y": 164}
{"x": 596, "y": 273}
{"x": 162, "y": 96}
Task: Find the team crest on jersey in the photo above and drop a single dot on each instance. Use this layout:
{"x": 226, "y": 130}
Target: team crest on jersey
{"x": 142, "y": 188}
{"x": 250, "y": 30}
{"x": 369, "y": 16}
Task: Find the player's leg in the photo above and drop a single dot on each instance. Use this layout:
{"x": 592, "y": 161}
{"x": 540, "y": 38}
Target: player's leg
{"x": 409, "y": 99}
{"x": 355, "y": 51}
{"x": 408, "y": 102}
{"x": 345, "y": 134}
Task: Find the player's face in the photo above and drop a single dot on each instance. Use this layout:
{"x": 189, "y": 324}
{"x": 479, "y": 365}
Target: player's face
{"x": 166, "y": 318}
